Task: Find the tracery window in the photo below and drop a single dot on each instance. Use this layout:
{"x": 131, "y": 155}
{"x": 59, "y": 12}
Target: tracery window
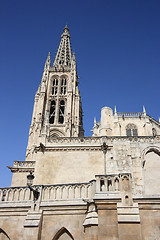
{"x": 55, "y": 87}
{"x": 131, "y": 130}
{"x": 61, "y": 112}
{"x": 52, "y": 112}
{"x": 63, "y": 86}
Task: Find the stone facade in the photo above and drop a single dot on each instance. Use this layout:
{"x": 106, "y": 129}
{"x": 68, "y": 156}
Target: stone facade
{"x": 104, "y": 187}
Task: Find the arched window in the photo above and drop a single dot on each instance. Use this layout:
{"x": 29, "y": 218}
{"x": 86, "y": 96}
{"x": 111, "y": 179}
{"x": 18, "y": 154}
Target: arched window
{"x": 131, "y": 130}
{"x": 63, "y": 86}
{"x": 55, "y": 87}
{"x": 52, "y": 112}
{"x": 61, "y": 111}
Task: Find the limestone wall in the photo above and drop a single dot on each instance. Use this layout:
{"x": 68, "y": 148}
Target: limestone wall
{"x": 68, "y": 166}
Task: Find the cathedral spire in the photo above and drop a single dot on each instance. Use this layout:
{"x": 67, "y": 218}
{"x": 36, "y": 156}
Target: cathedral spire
{"x": 64, "y": 53}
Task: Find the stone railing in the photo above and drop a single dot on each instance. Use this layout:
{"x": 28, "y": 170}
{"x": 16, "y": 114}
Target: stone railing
{"x": 15, "y": 194}
{"x": 111, "y": 183}
{"x": 102, "y": 184}
{"x": 24, "y": 164}
{"x": 137, "y": 114}
{"x": 49, "y": 192}
{"x": 68, "y": 191}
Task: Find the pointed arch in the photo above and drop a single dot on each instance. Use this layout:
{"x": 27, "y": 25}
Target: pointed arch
{"x": 61, "y": 232}
{"x": 151, "y": 169}
{"x": 3, "y": 235}
{"x": 56, "y": 133}
{"x": 147, "y": 150}
{"x": 61, "y": 111}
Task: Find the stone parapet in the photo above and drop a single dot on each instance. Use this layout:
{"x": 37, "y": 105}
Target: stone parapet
{"x": 22, "y": 166}
{"x": 49, "y": 192}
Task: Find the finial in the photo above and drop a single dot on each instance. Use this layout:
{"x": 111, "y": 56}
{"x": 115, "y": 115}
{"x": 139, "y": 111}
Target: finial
{"x": 115, "y": 111}
{"x": 66, "y": 29}
{"x": 159, "y": 119}
{"x": 144, "y": 110}
{"x": 94, "y": 121}
{"x": 74, "y": 56}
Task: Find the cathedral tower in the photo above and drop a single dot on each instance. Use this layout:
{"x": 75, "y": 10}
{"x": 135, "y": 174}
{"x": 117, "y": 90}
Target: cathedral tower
{"x": 57, "y": 108}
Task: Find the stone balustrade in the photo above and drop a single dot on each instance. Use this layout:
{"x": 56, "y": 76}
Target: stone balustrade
{"x": 49, "y": 192}
{"x": 69, "y": 191}
{"x": 102, "y": 184}
{"x": 111, "y": 183}
{"x": 24, "y": 164}
{"x": 15, "y": 194}
{"x": 137, "y": 114}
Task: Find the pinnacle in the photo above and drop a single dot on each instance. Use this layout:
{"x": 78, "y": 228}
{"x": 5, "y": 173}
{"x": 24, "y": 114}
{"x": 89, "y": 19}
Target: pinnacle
{"x": 66, "y": 28}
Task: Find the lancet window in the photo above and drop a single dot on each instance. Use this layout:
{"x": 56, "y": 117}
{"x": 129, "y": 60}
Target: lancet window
{"x": 55, "y": 87}
{"x": 61, "y": 111}
{"x": 131, "y": 130}
{"x": 63, "y": 86}
{"x": 52, "y": 112}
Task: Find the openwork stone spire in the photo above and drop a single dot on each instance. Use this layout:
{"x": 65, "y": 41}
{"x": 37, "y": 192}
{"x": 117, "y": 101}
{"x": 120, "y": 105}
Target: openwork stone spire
{"x": 63, "y": 57}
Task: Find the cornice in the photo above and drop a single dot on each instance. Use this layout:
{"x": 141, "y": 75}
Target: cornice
{"x": 90, "y": 143}
{"x": 67, "y": 148}
{"x": 100, "y": 140}
{"x": 16, "y": 169}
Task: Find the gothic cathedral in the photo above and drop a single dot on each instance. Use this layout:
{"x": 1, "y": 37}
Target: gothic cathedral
{"x": 104, "y": 187}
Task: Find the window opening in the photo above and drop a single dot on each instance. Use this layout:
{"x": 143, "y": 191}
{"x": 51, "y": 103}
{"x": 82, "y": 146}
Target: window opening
{"x": 63, "y": 86}
{"x": 61, "y": 111}
{"x": 135, "y": 132}
{"x": 55, "y": 87}
{"x": 52, "y": 112}
{"x": 128, "y": 132}
{"x": 131, "y": 130}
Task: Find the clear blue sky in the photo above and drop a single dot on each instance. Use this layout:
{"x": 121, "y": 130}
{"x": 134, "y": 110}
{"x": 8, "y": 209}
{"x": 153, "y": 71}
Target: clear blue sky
{"x": 117, "y": 45}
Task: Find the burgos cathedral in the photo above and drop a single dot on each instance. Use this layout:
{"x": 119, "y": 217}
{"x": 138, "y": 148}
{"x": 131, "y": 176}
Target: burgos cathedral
{"x": 104, "y": 187}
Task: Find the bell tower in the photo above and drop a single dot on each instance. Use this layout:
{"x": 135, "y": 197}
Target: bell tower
{"x": 57, "y": 108}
